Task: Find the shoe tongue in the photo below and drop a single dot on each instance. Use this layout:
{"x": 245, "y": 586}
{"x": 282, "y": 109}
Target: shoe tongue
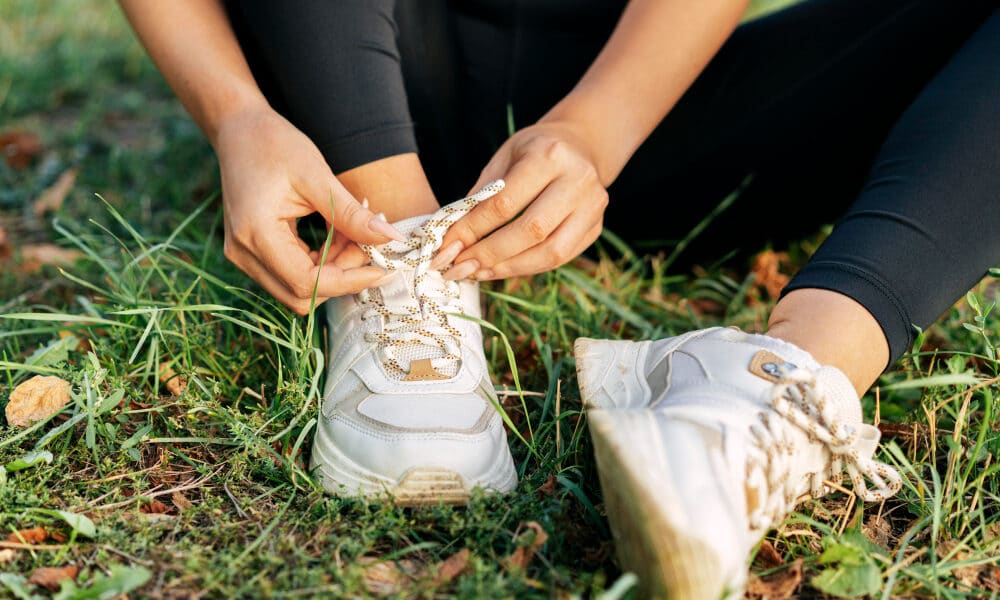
{"x": 398, "y": 297}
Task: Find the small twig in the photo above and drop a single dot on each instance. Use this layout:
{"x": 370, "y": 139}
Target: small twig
{"x": 20, "y": 546}
{"x": 239, "y": 510}
{"x": 153, "y": 494}
{"x": 113, "y": 550}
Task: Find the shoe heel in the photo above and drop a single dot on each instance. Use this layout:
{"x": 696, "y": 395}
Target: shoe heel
{"x": 669, "y": 562}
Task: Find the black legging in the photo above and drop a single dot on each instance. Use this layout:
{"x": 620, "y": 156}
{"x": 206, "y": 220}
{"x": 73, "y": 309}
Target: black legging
{"x": 894, "y": 105}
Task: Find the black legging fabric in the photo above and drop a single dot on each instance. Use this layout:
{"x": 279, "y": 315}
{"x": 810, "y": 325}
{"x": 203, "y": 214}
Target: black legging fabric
{"x": 880, "y": 117}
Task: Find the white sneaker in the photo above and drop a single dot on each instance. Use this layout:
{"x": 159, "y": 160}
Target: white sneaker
{"x": 409, "y": 410}
{"x": 707, "y": 440}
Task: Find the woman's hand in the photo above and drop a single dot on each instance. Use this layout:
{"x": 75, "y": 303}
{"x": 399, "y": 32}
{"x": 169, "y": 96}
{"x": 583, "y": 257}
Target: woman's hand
{"x": 551, "y": 209}
{"x": 272, "y": 175}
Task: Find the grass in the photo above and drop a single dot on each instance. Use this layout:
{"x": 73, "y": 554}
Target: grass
{"x": 205, "y": 493}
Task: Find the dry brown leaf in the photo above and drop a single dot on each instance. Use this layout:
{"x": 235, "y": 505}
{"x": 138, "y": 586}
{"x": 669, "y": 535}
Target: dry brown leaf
{"x": 20, "y": 147}
{"x": 36, "y": 399}
{"x": 521, "y": 557}
{"x": 384, "y": 577}
{"x": 767, "y": 273}
{"x": 7, "y": 555}
{"x": 154, "y": 507}
{"x": 776, "y": 586}
{"x": 175, "y": 384}
{"x": 82, "y": 344}
{"x": 4, "y": 244}
{"x": 35, "y": 256}
{"x": 35, "y": 535}
{"x": 967, "y": 575}
{"x": 50, "y": 577}
{"x": 767, "y": 556}
{"x": 548, "y": 488}
{"x": 452, "y": 567}
{"x": 878, "y": 530}
{"x": 51, "y": 200}
{"x": 181, "y": 501}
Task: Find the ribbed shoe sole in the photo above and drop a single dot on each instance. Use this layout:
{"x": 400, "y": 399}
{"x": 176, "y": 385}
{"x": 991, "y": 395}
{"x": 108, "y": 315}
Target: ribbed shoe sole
{"x": 669, "y": 562}
{"x": 419, "y": 486}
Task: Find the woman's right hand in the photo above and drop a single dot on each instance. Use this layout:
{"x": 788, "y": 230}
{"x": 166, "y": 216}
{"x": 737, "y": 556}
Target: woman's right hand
{"x": 272, "y": 175}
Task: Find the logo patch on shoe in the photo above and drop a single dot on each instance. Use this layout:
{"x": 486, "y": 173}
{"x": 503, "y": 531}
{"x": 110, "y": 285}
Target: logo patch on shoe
{"x": 422, "y": 370}
{"x": 768, "y": 365}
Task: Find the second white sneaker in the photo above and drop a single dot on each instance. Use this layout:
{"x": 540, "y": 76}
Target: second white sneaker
{"x": 409, "y": 410}
{"x": 707, "y": 440}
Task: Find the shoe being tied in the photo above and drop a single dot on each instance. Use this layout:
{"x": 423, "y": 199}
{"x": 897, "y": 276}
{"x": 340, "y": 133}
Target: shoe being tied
{"x": 409, "y": 410}
{"x": 707, "y": 440}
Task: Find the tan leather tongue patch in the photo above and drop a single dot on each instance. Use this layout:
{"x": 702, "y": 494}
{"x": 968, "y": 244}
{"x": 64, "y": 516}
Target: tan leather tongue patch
{"x": 768, "y": 365}
{"x": 422, "y": 370}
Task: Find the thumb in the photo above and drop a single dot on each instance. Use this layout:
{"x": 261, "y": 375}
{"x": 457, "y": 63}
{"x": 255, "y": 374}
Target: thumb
{"x": 348, "y": 217}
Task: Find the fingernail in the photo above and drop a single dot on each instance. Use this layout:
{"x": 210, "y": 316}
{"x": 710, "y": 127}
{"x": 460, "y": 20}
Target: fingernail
{"x": 364, "y": 203}
{"x": 462, "y": 270}
{"x": 447, "y": 254}
{"x": 381, "y": 227}
{"x": 483, "y": 274}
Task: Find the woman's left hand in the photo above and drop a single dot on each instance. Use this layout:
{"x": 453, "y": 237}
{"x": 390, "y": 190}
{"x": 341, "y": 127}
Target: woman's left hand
{"x": 550, "y": 211}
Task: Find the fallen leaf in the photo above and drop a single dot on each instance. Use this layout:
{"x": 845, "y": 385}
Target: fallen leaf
{"x": 175, "y": 384}
{"x": 51, "y": 200}
{"x": 521, "y": 557}
{"x": 37, "y": 398}
{"x": 452, "y": 567}
{"x": 548, "y": 488}
{"x": 154, "y": 507}
{"x": 878, "y": 530}
{"x": 776, "y": 586}
{"x": 35, "y": 535}
{"x": 35, "y": 256}
{"x": 767, "y": 556}
{"x": 968, "y": 575}
{"x": 83, "y": 344}
{"x": 7, "y": 555}
{"x": 386, "y": 577}
{"x": 19, "y": 147}
{"x": 181, "y": 501}
{"x": 51, "y": 577}
{"x": 767, "y": 273}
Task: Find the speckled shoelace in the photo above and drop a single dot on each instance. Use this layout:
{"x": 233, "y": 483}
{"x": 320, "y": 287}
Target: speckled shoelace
{"x": 423, "y": 330}
{"x": 798, "y": 402}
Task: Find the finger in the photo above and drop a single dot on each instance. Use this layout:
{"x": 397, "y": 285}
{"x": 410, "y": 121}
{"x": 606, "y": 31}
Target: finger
{"x": 259, "y": 273}
{"x": 525, "y": 181}
{"x": 278, "y": 251}
{"x": 333, "y": 281}
{"x": 339, "y": 207}
{"x": 565, "y": 244}
{"x": 351, "y": 257}
{"x": 539, "y": 220}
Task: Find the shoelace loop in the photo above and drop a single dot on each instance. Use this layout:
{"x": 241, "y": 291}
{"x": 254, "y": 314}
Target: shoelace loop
{"x": 425, "y": 320}
{"x": 796, "y": 399}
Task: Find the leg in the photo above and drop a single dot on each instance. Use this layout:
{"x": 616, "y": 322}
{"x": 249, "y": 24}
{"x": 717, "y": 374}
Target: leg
{"x": 409, "y": 411}
{"x": 706, "y": 440}
{"x": 922, "y": 231}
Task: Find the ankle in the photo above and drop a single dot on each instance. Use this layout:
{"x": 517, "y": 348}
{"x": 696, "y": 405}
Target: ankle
{"x": 836, "y": 330}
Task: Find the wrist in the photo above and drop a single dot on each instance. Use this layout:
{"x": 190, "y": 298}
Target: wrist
{"x": 227, "y": 106}
{"x": 609, "y": 144}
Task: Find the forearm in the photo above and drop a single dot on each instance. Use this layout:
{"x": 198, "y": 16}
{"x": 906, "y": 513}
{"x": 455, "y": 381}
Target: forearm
{"x": 194, "y": 47}
{"x": 657, "y": 50}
